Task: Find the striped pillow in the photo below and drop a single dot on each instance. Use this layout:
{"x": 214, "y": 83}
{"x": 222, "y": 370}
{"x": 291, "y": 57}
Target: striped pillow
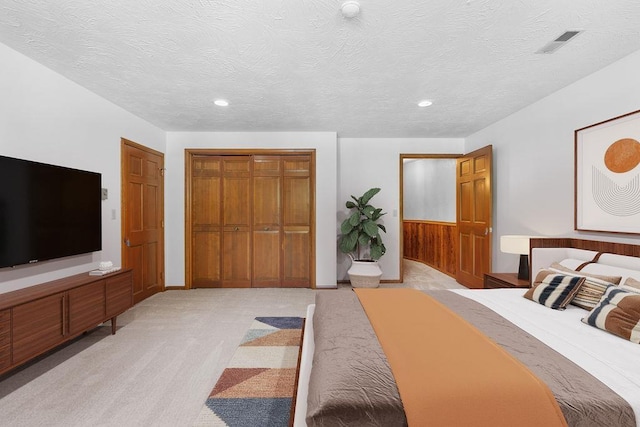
{"x": 591, "y": 290}
{"x": 618, "y": 313}
{"x": 589, "y": 294}
{"x": 554, "y": 290}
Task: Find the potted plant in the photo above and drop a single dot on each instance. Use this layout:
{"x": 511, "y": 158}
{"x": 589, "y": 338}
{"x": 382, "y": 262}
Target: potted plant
{"x": 361, "y": 240}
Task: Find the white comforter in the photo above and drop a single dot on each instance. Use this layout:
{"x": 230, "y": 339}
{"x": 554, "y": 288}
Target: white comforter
{"x": 611, "y": 359}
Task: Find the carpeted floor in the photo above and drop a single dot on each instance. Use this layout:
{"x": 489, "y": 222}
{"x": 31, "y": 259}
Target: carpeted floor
{"x": 161, "y": 365}
{"x": 257, "y": 387}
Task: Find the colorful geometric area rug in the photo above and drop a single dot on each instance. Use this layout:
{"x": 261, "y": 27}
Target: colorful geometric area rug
{"x": 258, "y": 386}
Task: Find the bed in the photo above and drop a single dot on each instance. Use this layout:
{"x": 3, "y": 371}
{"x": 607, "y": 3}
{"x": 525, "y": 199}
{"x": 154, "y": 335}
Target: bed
{"x": 593, "y": 374}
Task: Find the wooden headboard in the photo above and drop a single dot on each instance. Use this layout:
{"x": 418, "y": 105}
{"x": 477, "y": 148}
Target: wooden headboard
{"x": 590, "y": 245}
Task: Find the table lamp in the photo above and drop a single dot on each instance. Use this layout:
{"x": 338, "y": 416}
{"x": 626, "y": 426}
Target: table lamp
{"x": 517, "y": 245}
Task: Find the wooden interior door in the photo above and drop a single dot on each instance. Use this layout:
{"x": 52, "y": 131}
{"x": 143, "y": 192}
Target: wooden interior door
{"x": 474, "y": 202}
{"x": 205, "y": 211}
{"x": 298, "y": 203}
{"x": 236, "y": 219}
{"x": 267, "y": 221}
{"x": 143, "y": 218}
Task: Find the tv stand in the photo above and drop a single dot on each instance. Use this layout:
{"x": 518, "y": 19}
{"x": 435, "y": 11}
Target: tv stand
{"x": 39, "y": 318}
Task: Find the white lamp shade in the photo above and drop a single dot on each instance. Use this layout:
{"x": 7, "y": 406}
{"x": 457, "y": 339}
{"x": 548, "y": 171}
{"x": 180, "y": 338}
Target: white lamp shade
{"x": 515, "y": 244}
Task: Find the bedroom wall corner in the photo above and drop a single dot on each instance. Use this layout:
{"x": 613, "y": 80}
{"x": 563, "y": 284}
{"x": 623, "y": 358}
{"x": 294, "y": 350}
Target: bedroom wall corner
{"x": 48, "y": 118}
{"x": 534, "y": 156}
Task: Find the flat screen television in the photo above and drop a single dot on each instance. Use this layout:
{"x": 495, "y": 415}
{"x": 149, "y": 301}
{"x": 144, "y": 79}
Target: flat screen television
{"x": 47, "y": 212}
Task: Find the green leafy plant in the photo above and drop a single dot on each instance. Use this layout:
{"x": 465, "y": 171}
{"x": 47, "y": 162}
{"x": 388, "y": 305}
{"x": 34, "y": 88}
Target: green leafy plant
{"x": 361, "y": 228}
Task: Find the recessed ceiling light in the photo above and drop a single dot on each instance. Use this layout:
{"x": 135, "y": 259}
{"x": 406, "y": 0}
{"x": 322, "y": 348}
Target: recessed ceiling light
{"x": 350, "y": 9}
{"x": 425, "y": 103}
{"x": 221, "y": 102}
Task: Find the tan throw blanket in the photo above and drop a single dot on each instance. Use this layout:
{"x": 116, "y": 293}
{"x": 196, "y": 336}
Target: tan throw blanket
{"x": 448, "y": 372}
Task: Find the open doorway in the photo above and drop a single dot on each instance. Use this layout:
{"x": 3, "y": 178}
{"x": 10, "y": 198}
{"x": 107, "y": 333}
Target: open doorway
{"x": 428, "y": 211}
{"x": 463, "y": 249}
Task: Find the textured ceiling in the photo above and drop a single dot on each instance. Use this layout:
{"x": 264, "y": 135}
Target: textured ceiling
{"x": 298, "y": 65}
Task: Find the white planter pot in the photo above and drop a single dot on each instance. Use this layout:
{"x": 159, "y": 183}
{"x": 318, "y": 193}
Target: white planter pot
{"x": 365, "y": 274}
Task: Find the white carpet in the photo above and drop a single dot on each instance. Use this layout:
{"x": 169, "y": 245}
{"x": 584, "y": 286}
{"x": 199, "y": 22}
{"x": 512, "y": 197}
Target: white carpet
{"x": 161, "y": 365}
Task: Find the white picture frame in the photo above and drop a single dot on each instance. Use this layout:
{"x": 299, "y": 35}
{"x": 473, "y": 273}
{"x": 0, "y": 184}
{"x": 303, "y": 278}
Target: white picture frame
{"x": 607, "y": 176}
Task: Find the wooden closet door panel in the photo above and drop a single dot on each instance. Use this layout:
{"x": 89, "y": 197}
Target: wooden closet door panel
{"x": 236, "y": 217}
{"x": 296, "y": 221}
{"x": 267, "y": 213}
{"x": 297, "y": 207}
{"x": 266, "y": 259}
{"x": 206, "y": 197}
{"x": 236, "y": 265}
{"x": 297, "y": 190}
{"x": 266, "y": 201}
{"x": 206, "y": 271}
{"x": 206, "y": 219}
{"x": 236, "y": 201}
{"x": 296, "y": 258}
{"x": 236, "y": 191}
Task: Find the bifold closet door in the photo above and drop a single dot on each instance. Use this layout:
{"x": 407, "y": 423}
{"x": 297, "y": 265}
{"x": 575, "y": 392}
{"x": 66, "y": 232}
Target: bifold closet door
{"x": 206, "y": 219}
{"x": 251, "y": 220}
{"x": 221, "y": 221}
{"x": 267, "y": 221}
{"x": 236, "y": 216}
{"x": 296, "y": 221}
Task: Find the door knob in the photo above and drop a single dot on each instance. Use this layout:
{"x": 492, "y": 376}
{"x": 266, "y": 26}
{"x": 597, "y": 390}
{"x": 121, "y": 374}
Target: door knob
{"x": 127, "y": 242}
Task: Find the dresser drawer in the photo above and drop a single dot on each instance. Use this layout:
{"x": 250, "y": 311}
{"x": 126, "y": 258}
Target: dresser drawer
{"x": 5, "y": 317}
{"x": 5, "y": 356}
{"x": 5, "y": 328}
{"x": 5, "y": 338}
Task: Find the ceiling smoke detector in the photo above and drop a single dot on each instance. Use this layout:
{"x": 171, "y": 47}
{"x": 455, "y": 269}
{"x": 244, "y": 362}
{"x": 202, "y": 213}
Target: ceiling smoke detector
{"x": 350, "y": 9}
{"x": 560, "y": 41}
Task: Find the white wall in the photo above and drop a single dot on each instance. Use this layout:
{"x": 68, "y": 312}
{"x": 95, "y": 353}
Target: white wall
{"x": 47, "y": 118}
{"x": 323, "y": 142}
{"x": 534, "y": 154}
{"x": 375, "y": 162}
{"x": 429, "y": 189}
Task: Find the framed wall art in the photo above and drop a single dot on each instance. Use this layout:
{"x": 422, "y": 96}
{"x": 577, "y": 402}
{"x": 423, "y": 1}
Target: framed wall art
{"x": 607, "y": 175}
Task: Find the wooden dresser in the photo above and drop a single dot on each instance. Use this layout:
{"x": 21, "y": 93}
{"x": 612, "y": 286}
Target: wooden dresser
{"x": 39, "y": 318}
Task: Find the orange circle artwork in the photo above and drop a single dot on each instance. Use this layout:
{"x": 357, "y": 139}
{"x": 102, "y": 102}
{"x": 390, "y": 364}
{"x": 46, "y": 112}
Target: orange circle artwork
{"x": 623, "y": 155}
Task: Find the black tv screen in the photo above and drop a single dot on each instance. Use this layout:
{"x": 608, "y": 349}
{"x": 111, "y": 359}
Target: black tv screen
{"x": 47, "y": 212}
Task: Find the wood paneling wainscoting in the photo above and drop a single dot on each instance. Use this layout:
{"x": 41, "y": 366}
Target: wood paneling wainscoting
{"x": 432, "y": 243}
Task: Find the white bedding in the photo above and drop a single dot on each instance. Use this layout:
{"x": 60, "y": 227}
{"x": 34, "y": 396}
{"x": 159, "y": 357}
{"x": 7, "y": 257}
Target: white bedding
{"x": 611, "y": 359}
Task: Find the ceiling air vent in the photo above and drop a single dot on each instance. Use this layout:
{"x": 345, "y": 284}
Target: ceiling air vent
{"x": 559, "y": 41}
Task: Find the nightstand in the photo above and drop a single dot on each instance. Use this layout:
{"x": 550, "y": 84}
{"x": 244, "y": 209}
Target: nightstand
{"x": 504, "y": 280}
